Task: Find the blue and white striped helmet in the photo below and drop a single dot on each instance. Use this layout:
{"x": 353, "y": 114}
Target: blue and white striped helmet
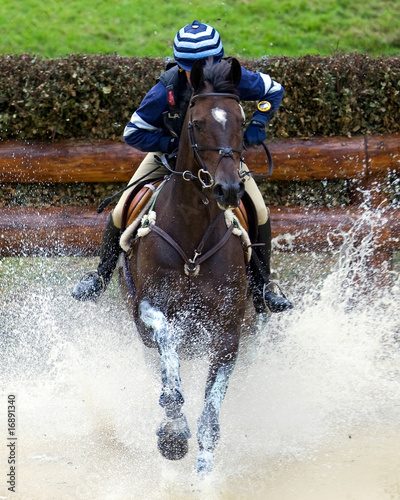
{"x": 197, "y": 41}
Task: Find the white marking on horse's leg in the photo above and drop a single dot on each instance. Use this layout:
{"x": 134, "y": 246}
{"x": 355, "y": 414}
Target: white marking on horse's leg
{"x": 171, "y": 398}
{"x": 208, "y": 432}
{"x": 219, "y": 115}
{"x": 153, "y": 317}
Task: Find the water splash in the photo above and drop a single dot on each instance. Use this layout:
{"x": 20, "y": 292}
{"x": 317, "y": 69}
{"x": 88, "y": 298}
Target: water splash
{"x": 312, "y": 410}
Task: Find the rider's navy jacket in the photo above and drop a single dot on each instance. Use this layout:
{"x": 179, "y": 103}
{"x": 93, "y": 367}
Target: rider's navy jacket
{"x": 146, "y": 130}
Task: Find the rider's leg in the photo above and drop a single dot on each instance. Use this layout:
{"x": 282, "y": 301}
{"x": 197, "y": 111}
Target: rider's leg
{"x": 93, "y": 284}
{"x": 147, "y": 165}
{"x": 263, "y": 297}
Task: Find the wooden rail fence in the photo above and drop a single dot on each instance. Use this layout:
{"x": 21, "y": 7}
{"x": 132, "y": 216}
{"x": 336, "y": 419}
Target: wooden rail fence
{"x": 78, "y": 230}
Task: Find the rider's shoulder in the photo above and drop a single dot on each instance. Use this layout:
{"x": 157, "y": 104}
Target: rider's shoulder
{"x": 170, "y": 75}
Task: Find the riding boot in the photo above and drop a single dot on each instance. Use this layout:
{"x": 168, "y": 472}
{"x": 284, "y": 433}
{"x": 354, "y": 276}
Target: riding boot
{"x": 263, "y": 298}
{"x": 93, "y": 284}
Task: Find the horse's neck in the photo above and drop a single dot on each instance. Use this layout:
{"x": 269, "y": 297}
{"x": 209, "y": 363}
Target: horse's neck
{"x": 190, "y": 194}
{"x": 185, "y": 208}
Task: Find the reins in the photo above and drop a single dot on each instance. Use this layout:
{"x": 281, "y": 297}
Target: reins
{"x": 187, "y": 175}
{"x": 108, "y": 200}
{"x": 192, "y": 266}
{"x": 224, "y": 151}
{"x": 270, "y": 162}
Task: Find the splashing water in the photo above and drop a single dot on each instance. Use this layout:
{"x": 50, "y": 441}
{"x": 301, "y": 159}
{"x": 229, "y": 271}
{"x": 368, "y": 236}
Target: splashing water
{"x": 312, "y": 411}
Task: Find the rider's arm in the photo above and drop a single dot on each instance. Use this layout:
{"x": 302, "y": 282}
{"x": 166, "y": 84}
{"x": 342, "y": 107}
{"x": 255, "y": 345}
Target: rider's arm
{"x": 260, "y": 87}
{"x": 145, "y": 130}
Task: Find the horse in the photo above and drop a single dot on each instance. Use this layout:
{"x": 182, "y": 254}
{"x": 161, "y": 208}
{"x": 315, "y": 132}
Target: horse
{"x": 189, "y": 270}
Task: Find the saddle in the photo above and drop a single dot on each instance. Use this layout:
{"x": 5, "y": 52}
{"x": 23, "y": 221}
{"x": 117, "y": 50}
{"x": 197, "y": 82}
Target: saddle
{"x": 137, "y": 201}
{"x": 141, "y": 195}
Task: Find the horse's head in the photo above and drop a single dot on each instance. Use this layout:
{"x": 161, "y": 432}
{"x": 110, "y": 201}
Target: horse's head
{"x": 216, "y": 121}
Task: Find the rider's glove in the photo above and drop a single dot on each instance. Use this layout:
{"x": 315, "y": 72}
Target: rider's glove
{"x": 255, "y": 133}
{"x": 169, "y": 144}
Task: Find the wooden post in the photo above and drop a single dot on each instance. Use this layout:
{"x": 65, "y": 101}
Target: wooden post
{"x": 26, "y": 230}
{"x": 78, "y": 230}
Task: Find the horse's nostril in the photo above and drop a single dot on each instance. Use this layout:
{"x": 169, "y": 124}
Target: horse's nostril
{"x": 219, "y": 191}
{"x": 229, "y": 194}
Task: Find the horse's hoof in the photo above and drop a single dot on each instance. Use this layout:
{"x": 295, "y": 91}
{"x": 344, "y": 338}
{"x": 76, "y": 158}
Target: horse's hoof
{"x": 174, "y": 428}
{"x": 172, "y": 448}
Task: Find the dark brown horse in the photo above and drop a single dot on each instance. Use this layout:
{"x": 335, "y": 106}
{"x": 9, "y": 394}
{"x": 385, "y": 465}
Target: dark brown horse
{"x": 189, "y": 270}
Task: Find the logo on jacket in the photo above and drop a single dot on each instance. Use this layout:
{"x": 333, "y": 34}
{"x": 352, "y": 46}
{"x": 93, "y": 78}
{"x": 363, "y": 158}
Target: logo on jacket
{"x": 264, "y": 106}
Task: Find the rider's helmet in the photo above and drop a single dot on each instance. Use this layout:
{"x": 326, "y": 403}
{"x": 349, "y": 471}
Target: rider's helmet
{"x": 197, "y": 41}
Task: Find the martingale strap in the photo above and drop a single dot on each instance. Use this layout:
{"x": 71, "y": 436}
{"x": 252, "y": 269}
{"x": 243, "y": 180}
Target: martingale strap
{"x": 193, "y": 265}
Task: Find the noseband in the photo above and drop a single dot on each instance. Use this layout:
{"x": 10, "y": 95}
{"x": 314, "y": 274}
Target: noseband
{"x": 204, "y": 176}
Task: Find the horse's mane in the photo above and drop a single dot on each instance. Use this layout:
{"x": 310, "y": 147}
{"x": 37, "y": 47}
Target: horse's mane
{"x": 217, "y": 76}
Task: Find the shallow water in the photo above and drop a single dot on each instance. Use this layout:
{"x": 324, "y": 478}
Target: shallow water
{"x": 312, "y": 412}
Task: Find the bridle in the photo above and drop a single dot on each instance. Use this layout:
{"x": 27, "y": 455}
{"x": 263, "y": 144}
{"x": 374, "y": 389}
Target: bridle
{"x": 224, "y": 151}
{"x": 192, "y": 266}
{"x": 203, "y": 174}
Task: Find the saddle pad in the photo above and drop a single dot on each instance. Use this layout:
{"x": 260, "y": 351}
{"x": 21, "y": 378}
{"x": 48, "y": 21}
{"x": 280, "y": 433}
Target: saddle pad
{"x": 141, "y": 195}
{"x": 136, "y": 202}
{"x": 241, "y": 214}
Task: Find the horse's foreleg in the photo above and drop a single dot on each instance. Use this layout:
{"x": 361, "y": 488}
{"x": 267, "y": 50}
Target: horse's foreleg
{"x": 174, "y": 430}
{"x": 208, "y": 431}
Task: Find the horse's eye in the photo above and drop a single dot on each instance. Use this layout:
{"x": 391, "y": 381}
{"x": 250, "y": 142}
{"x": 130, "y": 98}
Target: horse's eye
{"x": 197, "y": 124}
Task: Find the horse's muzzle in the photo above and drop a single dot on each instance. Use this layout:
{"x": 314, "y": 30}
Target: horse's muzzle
{"x": 228, "y": 195}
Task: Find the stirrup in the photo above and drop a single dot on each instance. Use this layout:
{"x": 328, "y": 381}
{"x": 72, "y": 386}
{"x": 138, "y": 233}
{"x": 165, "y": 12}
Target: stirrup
{"x": 90, "y": 287}
{"x": 276, "y": 303}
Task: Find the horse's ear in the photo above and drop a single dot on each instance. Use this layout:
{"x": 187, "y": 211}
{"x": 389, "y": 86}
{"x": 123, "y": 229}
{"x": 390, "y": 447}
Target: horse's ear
{"x": 235, "y": 73}
{"x": 196, "y": 75}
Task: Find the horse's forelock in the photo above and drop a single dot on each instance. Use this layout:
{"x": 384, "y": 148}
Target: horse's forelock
{"x": 216, "y": 74}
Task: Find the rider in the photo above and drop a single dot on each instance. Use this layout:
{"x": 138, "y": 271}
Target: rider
{"x": 155, "y": 127}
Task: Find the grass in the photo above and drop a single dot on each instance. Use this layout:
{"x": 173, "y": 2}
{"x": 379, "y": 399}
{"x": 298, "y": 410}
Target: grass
{"x": 19, "y": 275}
{"x": 249, "y": 28}
{"x": 38, "y": 274}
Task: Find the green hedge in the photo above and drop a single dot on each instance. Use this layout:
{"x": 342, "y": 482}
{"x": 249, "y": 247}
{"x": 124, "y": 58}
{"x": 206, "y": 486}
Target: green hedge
{"x": 93, "y": 96}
